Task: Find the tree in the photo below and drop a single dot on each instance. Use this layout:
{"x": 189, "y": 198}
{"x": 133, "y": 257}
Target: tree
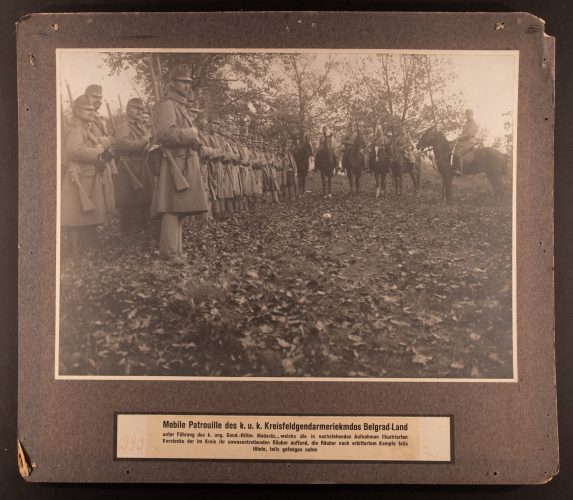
{"x": 283, "y": 96}
{"x": 394, "y": 90}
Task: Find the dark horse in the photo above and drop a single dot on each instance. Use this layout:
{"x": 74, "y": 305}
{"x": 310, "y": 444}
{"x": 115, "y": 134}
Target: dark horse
{"x": 400, "y": 164}
{"x": 353, "y": 161}
{"x": 301, "y": 156}
{"x": 486, "y": 160}
{"x": 325, "y": 162}
{"x": 378, "y": 161}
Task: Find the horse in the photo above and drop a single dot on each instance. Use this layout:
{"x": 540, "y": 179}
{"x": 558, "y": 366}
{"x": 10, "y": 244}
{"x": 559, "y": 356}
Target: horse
{"x": 487, "y": 160}
{"x": 325, "y": 162}
{"x": 401, "y": 164}
{"x": 379, "y": 162}
{"x": 353, "y": 161}
{"x": 301, "y": 157}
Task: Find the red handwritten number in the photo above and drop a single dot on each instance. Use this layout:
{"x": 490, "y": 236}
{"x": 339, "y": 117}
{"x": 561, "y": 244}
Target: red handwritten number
{"x": 131, "y": 442}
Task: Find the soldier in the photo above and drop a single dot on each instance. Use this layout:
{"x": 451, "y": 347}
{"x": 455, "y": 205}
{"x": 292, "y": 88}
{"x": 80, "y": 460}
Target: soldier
{"x": 228, "y": 191}
{"x": 291, "y": 170}
{"x": 263, "y": 163}
{"x": 245, "y": 168}
{"x": 274, "y": 186}
{"x": 133, "y": 185}
{"x": 207, "y": 156}
{"x": 257, "y": 165}
{"x": 83, "y": 204}
{"x": 179, "y": 191}
{"x": 465, "y": 143}
{"x": 94, "y": 94}
{"x": 349, "y": 137}
{"x": 145, "y": 119}
{"x": 406, "y": 144}
{"x": 232, "y": 132}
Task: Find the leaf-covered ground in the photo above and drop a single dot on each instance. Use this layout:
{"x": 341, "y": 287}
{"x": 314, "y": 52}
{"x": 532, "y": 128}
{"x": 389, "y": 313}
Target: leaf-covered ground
{"x": 381, "y": 288}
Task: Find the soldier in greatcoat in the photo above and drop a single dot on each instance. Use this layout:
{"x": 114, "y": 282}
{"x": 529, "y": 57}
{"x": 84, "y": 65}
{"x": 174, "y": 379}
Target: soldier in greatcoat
{"x": 95, "y": 95}
{"x": 235, "y": 167}
{"x": 209, "y": 159}
{"x": 179, "y": 190}
{"x": 133, "y": 183}
{"x": 83, "y": 206}
{"x": 274, "y": 172}
{"x": 257, "y": 165}
{"x": 245, "y": 168}
{"x": 216, "y": 168}
{"x": 227, "y": 191}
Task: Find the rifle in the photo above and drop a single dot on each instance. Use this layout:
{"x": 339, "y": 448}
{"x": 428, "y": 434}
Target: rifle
{"x": 112, "y": 124}
{"x": 178, "y": 178}
{"x": 135, "y": 183}
{"x": 85, "y": 201}
{"x": 70, "y": 96}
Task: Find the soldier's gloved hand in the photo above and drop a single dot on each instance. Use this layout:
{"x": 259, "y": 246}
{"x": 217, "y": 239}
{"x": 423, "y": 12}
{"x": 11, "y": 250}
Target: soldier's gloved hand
{"x": 106, "y": 156}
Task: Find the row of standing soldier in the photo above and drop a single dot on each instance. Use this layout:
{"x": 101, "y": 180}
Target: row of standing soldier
{"x": 181, "y": 163}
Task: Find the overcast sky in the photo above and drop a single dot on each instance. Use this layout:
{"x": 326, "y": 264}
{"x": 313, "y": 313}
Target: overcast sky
{"x": 486, "y": 80}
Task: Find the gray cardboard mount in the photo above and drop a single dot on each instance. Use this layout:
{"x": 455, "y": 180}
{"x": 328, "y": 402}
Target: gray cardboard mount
{"x": 504, "y": 433}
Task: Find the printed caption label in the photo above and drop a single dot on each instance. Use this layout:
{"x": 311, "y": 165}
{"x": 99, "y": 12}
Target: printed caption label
{"x": 286, "y": 437}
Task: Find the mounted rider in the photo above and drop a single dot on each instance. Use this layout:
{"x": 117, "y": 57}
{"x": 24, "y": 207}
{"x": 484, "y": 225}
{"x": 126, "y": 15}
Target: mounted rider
{"x": 405, "y": 144}
{"x": 349, "y": 137}
{"x": 465, "y": 143}
{"x": 359, "y": 140}
{"x": 326, "y": 141}
{"x": 378, "y": 146}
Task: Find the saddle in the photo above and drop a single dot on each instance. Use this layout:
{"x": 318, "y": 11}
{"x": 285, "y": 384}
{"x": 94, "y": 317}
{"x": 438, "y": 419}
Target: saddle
{"x": 468, "y": 156}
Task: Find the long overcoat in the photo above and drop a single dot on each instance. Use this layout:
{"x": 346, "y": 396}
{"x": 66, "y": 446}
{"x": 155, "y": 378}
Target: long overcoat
{"x": 100, "y": 130}
{"x": 81, "y": 151}
{"x": 224, "y": 181}
{"x": 246, "y": 170}
{"x": 178, "y": 138}
{"x": 131, "y": 139}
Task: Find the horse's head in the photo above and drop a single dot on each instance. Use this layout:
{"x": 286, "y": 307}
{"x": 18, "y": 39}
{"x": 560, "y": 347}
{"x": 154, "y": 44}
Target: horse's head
{"x": 428, "y": 137}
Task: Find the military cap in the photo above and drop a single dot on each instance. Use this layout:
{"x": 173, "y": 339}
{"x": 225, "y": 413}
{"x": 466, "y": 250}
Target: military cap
{"x": 136, "y": 102}
{"x": 180, "y": 72}
{"x": 83, "y": 102}
{"x": 95, "y": 90}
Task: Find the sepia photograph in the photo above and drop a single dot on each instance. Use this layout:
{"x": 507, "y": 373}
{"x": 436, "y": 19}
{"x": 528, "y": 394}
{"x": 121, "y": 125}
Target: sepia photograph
{"x": 311, "y": 214}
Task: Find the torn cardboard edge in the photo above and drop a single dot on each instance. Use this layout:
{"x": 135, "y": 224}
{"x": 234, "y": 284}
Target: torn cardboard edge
{"x": 25, "y": 467}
